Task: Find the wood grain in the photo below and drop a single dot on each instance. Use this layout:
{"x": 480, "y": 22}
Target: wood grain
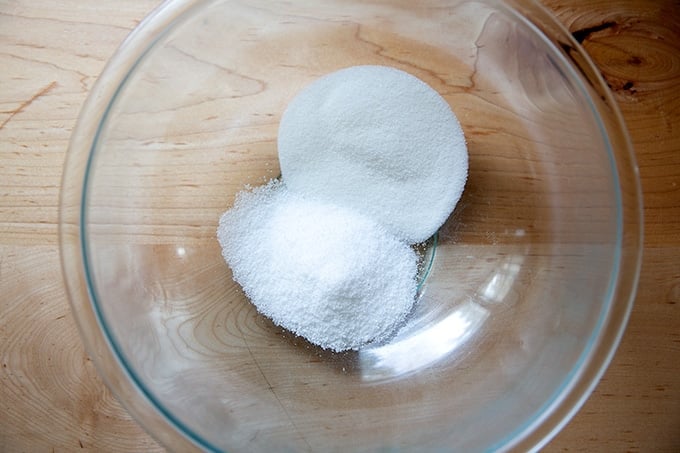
{"x": 50, "y": 395}
{"x": 636, "y": 45}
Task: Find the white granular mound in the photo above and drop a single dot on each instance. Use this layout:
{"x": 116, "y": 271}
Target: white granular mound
{"x": 325, "y": 272}
{"x": 377, "y": 140}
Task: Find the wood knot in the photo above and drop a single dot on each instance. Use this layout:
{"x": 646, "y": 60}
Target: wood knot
{"x": 620, "y": 85}
{"x": 635, "y": 60}
{"x": 582, "y": 34}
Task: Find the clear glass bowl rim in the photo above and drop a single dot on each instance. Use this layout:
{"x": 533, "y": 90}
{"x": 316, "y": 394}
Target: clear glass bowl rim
{"x": 164, "y": 426}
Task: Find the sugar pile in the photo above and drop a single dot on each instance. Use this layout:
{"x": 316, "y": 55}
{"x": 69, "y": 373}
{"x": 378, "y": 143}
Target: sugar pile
{"x": 329, "y": 274}
{"x": 372, "y": 161}
{"x": 378, "y": 140}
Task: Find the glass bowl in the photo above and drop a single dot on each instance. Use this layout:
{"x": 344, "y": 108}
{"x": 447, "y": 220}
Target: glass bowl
{"x": 530, "y": 283}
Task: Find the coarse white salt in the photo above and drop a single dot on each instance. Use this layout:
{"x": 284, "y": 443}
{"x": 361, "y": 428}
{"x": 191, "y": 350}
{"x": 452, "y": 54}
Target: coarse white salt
{"x": 327, "y": 273}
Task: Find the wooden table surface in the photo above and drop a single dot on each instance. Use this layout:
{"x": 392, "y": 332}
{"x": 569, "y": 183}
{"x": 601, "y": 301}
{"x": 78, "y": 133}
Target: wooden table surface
{"x": 51, "y": 398}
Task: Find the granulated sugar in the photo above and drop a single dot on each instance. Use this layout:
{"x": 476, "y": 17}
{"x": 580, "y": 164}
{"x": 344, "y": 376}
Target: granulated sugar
{"x": 377, "y": 140}
{"x": 327, "y": 273}
{"x": 372, "y": 161}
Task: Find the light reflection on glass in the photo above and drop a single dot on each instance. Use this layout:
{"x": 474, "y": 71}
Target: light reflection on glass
{"x": 169, "y": 355}
{"x": 424, "y": 346}
{"x": 501, "y": 281}
{"x": 181, "y": 252}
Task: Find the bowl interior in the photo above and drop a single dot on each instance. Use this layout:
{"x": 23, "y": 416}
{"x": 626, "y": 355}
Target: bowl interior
{"x": 522, "y": 278}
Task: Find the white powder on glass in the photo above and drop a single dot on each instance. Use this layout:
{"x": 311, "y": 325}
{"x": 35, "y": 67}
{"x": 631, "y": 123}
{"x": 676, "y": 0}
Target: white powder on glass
{"x": 377, "y": 140}
{"x": 327, "y": 273}
{"x": 372, "y": 160}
